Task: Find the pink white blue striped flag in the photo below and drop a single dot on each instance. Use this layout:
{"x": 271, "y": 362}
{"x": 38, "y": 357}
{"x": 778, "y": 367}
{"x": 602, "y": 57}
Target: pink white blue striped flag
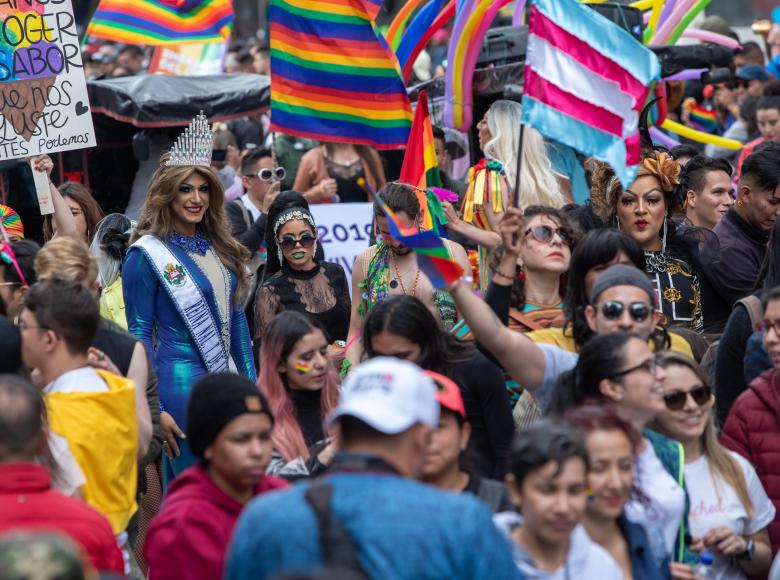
{"x": 586, "y": 81}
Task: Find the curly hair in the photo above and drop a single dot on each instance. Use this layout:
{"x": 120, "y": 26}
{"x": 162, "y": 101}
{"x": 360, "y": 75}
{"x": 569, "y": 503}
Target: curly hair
{"x": 156, "y": 217}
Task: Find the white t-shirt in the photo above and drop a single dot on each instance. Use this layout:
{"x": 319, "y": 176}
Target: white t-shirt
{"x": 69, "y": 478}
{"x": 713, "y": 506}
{"x": 80, "y": 380}
{"x": 662, "y": 512}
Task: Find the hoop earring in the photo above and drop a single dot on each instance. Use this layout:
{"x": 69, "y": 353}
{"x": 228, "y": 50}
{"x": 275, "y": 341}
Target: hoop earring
{"x": 617, "y": 222}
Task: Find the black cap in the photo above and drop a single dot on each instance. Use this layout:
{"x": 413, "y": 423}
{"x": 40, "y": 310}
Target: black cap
{"x": 622, "y": 275}
{"x": 216, "y": 400}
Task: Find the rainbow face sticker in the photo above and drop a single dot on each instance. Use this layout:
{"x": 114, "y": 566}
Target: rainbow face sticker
{"x": 302, "y": 367}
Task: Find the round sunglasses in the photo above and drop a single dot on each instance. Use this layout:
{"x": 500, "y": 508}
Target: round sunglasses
{"x": 268, "y": 174}
{"x": 700, "y": 395}
{"x": 306, "y": 241}
{"x": 613, "y": 310}
{"x": 545, "y": 234}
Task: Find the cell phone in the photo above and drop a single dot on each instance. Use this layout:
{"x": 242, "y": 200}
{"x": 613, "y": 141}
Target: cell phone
{"x": 218, "y": 154}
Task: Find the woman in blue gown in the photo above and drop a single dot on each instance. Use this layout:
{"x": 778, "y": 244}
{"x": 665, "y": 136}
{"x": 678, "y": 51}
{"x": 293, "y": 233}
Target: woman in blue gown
{"x": 183, "y": 280}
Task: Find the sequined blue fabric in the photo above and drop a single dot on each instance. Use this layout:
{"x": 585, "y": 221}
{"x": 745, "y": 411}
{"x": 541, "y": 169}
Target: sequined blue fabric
{"x": 198, "y": 244}
{"x": 153, "y": 319}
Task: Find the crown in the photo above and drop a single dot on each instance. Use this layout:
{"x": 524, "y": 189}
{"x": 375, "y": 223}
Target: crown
{"x": 193, "y": 147}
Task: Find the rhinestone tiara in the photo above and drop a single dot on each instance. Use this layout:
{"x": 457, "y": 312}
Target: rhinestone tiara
{"x": 193, "y": 147}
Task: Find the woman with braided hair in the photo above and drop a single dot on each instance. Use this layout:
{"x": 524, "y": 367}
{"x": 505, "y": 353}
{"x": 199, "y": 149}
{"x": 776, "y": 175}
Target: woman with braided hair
{"x": 643, "y": 210}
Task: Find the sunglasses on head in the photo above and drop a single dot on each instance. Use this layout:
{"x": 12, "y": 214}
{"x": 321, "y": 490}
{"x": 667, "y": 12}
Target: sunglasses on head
{"x": 545, "y": 234}
{"x": 700, "y": 395}
{"x": 268, "y": 174}
{"x": 639, "y": 311}
{"x": 306, "y": 241}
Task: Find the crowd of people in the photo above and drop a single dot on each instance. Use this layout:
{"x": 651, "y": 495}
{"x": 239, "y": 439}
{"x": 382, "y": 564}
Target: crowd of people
{"x": 200, "y": 393}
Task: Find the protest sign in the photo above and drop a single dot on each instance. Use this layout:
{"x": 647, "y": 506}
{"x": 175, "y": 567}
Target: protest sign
{"x": 344, "y": 230}
{"x": 188, "y": 59}
{"x": 43, "y": 94}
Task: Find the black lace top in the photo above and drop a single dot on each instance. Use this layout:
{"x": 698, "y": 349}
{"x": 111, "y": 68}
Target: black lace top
{"x": 346, "y": 177}
{"x": 322, "y": 293}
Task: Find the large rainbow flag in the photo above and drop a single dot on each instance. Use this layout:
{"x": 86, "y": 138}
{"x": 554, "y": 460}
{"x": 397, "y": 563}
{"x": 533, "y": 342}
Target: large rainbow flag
{"x": 333, "y": 76}
{"x": 162, "y": 22}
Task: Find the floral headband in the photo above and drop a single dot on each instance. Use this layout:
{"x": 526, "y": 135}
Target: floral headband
{"x": 662, "y": 167}
{"x": 290, "y": 214}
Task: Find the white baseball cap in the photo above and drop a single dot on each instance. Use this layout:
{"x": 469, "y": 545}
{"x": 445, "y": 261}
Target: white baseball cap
{"x": 388, "y": 394}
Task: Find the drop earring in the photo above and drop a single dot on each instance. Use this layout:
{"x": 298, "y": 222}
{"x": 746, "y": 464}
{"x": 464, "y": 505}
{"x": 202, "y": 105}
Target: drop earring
{"x": 663, "y": 239}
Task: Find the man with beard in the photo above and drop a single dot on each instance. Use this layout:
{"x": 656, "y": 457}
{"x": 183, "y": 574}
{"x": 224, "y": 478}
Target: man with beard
{"x": 389, "y": 267}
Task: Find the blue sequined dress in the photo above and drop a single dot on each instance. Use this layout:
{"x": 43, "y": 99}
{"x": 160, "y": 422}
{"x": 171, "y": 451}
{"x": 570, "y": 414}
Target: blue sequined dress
{"x": 153, "y": 319}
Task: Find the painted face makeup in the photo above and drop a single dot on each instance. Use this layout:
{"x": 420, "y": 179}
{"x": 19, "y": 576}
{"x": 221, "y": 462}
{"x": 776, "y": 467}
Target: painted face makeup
{"x": 302, "y": 367}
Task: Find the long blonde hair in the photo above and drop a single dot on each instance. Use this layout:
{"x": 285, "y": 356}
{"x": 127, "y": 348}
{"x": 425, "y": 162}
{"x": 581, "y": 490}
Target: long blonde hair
{"x": 156, "y": 216}
{"x": 538, "y": 185}
{"x": 721, "y": 462}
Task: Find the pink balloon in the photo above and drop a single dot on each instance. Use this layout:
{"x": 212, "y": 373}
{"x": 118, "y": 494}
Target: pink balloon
{"x": 713, "y": 37}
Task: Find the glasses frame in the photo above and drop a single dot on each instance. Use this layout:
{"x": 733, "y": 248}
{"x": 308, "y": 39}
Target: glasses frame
{"x": 773, "y": 324}
{"x": 563, "y": 233}
{"x": 623, "y": 307}
{"x": 278, "y": 174}
{"x": 704, "y": 390}
{"x": 648, "y": 365}
{"x": 306, "y": 241}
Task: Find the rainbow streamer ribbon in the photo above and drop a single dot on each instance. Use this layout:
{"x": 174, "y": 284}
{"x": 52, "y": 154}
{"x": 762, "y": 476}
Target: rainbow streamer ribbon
{"x": 433, "y": 257}
{"x": 162, "y": 22}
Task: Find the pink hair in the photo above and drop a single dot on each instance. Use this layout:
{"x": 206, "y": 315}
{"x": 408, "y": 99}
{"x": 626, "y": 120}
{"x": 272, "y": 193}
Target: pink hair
{"x": 280, "y": 333}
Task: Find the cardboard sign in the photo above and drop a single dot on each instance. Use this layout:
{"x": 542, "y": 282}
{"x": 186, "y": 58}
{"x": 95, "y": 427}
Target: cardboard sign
{"x": 188, "y": 59}
{"x": 43, "y": 94}
{"x": 344, "y": 230}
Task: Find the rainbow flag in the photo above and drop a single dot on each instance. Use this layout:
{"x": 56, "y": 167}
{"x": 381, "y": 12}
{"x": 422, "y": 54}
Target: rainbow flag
{"x": 702, "y": 118}
{"x": 162, "y": 22}
{"x": 420, "y": 167}
{"x": 433, "y": 257}
{"x": 333, "y": 76}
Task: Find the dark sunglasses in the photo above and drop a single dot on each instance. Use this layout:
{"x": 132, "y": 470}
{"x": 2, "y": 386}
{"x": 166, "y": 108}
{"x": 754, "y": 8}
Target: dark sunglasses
{"x": 306, "y": 241}
{"x": 613, "y": 310}
{"x": 700, "y": 395}
{"x": 267, "y": 174}
{"x": 741, "y": 84}
{"x": 544, "y": 234}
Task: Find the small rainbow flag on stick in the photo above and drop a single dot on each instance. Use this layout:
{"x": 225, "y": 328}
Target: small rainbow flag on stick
{"x": 433, "y": 257}
{"x": 420, "y": 168}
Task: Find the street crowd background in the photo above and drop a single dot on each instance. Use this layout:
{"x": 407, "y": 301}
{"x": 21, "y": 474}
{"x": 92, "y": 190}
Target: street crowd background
{"x": 414, "y": 305}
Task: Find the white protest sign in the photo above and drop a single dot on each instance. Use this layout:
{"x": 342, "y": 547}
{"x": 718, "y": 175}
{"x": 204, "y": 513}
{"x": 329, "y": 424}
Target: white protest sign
{"x": 344, "y": 230}
{"x": 43, "y": 94}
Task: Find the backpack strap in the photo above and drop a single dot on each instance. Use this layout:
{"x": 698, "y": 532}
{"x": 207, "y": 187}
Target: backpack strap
{"x": 245, "y": 213}
{"x": 338, "y": 547}
{"x": 753, "y": 305}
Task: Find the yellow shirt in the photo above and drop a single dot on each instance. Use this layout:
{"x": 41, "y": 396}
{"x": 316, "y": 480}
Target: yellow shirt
{"x": 102, "y": 432}
{"x": 566, "y": 341}
{"x": 112, "y": 303}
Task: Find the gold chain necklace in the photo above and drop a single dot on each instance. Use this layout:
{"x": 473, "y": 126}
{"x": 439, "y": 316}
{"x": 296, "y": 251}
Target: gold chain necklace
{"x": 401, "y": 281}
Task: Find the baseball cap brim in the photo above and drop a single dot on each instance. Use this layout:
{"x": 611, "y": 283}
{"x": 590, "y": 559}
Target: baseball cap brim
{"x": 384, "y": 424}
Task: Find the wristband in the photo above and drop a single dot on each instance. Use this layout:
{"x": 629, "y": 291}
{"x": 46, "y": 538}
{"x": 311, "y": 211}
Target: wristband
{"x": 503, "y": 274}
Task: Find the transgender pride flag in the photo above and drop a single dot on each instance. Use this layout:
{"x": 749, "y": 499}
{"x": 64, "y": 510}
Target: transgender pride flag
{"x": 586, "y": 81}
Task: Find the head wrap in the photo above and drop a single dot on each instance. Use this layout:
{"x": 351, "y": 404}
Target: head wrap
{"x": 11, "y": 221}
